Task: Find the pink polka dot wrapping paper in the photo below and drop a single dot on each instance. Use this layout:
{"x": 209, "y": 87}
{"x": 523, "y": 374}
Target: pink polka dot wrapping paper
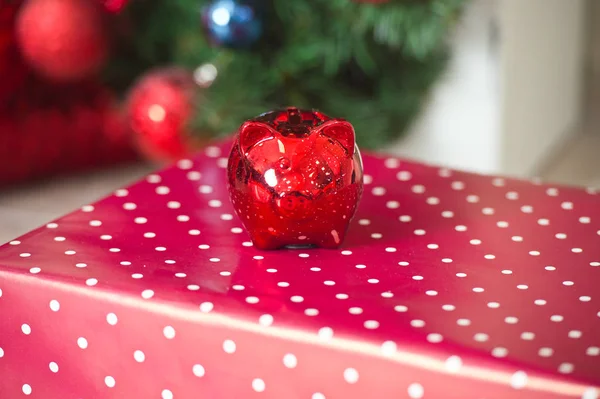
{"x": 449, "y": 285}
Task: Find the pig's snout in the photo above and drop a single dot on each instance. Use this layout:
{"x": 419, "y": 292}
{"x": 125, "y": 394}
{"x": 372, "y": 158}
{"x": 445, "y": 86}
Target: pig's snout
{"x": 293, "y": 204}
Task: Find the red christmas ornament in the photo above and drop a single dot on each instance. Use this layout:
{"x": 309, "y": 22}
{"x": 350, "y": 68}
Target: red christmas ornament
{"x": 159, "y": 109}
{"x": 114, "y": 6}
{"x": 63, "y": 40}
{"x": 295, "y": 178}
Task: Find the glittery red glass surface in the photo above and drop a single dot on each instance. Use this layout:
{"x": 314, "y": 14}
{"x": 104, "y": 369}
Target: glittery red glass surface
{"x": 295, "y": 178}
{"x": 448, "y": 285}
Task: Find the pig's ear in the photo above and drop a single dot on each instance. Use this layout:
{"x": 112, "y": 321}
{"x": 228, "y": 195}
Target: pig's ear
{"x": 341, "y": 131}
{"x": 252, "y": 133}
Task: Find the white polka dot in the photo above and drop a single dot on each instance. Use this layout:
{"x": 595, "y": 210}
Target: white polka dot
{"x": 387, "y": 294}
{"x": 229, "y": 346}
{"x": 183, "y": 218}
{"x": 26, "y": 388}
{"x": 566, "y": 205}
{"x": 236, "y": 230}
{"x": 290, "y": 361}
{"x": 444, "y": 172}
{"x": 169, "y": 332}
{"x": 26, "y": 329}
{"x": 527, "y": 209}
{"x": 511, "y": 320}
{"x": 139, "y": 356}
{"x": 553, "y": 192}
{"x": 112, "y": 319}
{"x": 540, "y": 302}
{"x": 378, "y": 191}
{"x": 594, "y": 264}
{"x": 475, "y": 242}
{"x": 488, "y": 211}
{"x": 453, "y": 364}
{"x": 447, "y": 214}
{"x": 585, "y": 298}
{"x": 550, "y": 268}
{"x": 391, "y": 163}
{"x": 418, "y": 189}
{"x": 371, "y": 324}
{"x": 226, "y": 216}
{"x": 517, "y": 238}
{"x": 591, "y": 351}
{"x": 404, "y": 175}
{"x": 527, "y": 336}
{"x": 35, "y": 270}
{"x": 325, "y": 333}
{"x": 478, "y": 289}
{"x": 198, "y": 370}
{"x": 565, "y": 368}
{"x": 95, "y": 223}
{"x": 502, "y": 224}
{"x": 522, "y": 286}
{"x": 416, "y": 391}
{"x": 490, "y": 256}
{"x": 53, "y": 367}
{"x": 15, "y": 242}
{"x": 512, "y": 195}
{"x": 506, "y": 271}
{"x": 460, "y": 227}
{"x": 351, "y": 375}
{"x": 561, "y": 236}
{"x": 447, "y": 260}
{"x": 400, "y": 308}
{"x": 141, "y": 220}
{"x": 576, "y": 250}
{"x": 193, "y": 287}
{"x": 493, "y": 305}
{"x": 448, "y": 307}
{"x": 568, "y": 283}
{"x": 166, "y": 394}
{"x": 435, "y": 338}
{"x": 258, "y": 385}
{"x": 419, "y": 232}
{"x": 25, "y": 255}
{"x": 417, "y": 323}
{"x": 403, "y": 263}
{"x": 388, "y": 348}
{"x": 162, "y": 190}
{"x": 457, "y": 185}
{"x": 252, "y": 299}
{"x": 518, "y": 380}
{"x": 54, "y": 305}
{"x": 499, "y": 352}
{"x": 556, "y": 318}
{"x": 206, "y": 307}
{"x": 481, "y": 337}
{"x": 575, "y": 334}
{"x": 153, "y": 178}
{"x": 463, "y": 322}
{"x": 498, "y": 182}
{"x": 109, "y": 381}
{"x": 433, "y": 201}
{"x": 355, "y": 310}
{"x": 472, "y": 198}
{"x": 52, "y": 225}
{"x": 82, "y": 342}
{"x": 543, "y": 222}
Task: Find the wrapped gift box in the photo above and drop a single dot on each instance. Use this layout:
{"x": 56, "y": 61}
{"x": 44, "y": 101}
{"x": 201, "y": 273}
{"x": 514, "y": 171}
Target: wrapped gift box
{"x": 449, "y": 285}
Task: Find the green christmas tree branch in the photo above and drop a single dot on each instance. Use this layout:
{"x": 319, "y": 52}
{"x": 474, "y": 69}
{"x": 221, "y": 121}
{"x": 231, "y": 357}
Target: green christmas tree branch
{"x": 372, "y": 64}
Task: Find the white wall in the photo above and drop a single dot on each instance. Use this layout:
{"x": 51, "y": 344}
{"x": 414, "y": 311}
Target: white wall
{"x": 542, "y": 66}
{"x": 512, "y": 92}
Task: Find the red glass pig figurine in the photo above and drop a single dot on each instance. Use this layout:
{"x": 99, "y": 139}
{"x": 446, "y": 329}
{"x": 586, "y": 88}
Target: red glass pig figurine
{"x": 295, "y": 178}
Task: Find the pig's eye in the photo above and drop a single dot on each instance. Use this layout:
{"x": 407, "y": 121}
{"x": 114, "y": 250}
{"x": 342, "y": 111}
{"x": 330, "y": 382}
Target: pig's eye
{"x": 284, "y": 163}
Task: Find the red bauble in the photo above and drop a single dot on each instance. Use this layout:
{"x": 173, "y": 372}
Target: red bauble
{"x": 114, "y": 6}
{"x": 295, "y": 178}
{"x": 63, "y": 40}
{"x": 159, "y": 109}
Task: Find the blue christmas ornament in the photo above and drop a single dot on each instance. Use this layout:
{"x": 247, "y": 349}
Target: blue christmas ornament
{"x": 232, "y": 23}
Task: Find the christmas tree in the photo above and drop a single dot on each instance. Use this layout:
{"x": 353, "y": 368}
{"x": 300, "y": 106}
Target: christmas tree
{"x": 183, "y": 72}
{"x": 372, "y": 62}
